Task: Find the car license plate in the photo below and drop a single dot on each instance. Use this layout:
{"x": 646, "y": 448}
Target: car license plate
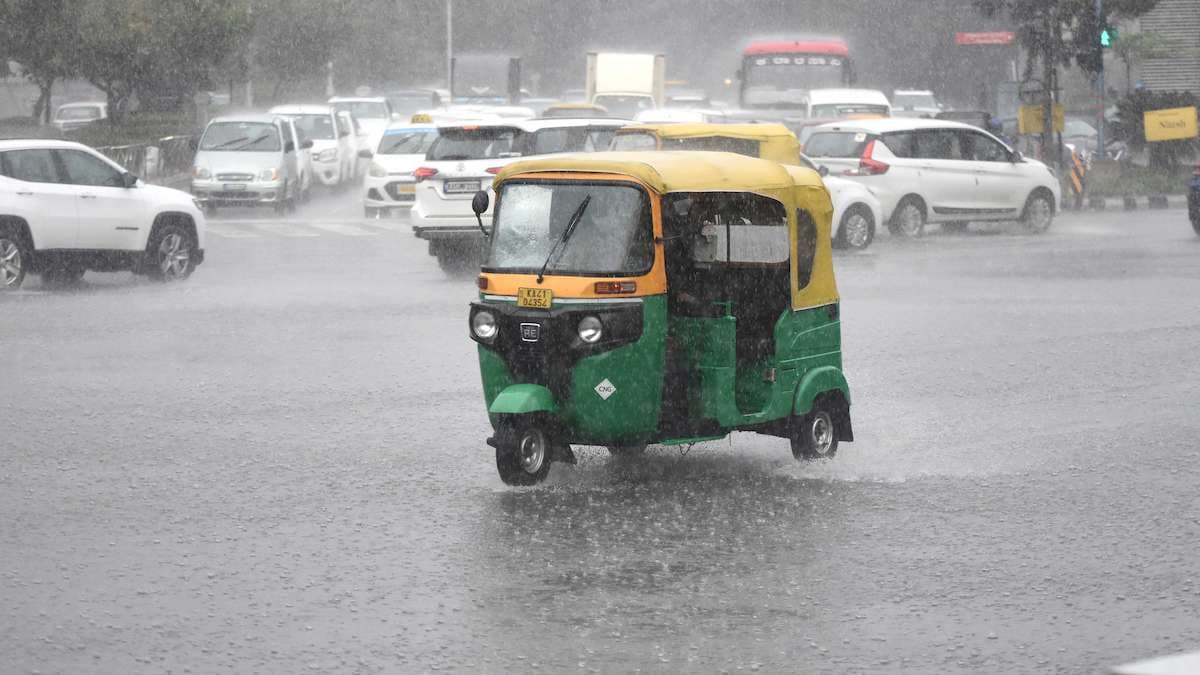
{"x": 461, "y": 186}
{"x": 535, "y": 298}
{"x": 234, "y": 187}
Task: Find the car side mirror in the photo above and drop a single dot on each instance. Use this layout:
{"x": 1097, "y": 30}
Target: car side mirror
{"x": 129, "y": 180}
{"x": 289, "y": 147}
{"x": 365, "y": 154}
{"x": 1016, "y": 157}
{"x": 343, "y": 134}
{"x": 480, "y": 202}
{"x": 306, "y": 144}
{"x": 823, "y": 170}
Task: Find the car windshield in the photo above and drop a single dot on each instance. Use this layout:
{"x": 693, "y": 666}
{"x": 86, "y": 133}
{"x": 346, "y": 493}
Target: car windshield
{"x": 612, "y": 238}
{"x": 842, "y": 109}
{"x": 571, "y": 139}
{"x": 315, "y": 127}
{"x": 407, "y": 141}
{"x": 785, "y": 78}
{"x": 364, "y": 110}
{"x": 81, "y": 113}
{"x": 635, "y": 140}
{"x": 835, "y": 144}
{"x": 912, "y": 101}
{"x": 241, "y": 136}
{"x": 458, "y": 144}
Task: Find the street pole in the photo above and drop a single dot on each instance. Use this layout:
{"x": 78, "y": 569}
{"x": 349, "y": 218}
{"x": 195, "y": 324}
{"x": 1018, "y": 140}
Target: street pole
{"x": 450, "y": 49}
{"x": 1100, "y": 83}
{"x": 1048, "y": 68}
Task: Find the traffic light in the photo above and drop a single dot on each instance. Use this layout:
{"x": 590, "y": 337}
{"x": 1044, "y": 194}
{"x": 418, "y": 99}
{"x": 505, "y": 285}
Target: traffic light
{"x": 1108, "y": 35}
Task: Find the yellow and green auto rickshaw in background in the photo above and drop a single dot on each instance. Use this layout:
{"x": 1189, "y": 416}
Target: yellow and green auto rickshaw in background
{"x": 766, "y": 141}
{"x": 668, "y": 297}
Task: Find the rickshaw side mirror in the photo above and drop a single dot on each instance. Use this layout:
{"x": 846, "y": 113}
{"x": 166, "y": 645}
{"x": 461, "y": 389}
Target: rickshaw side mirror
{"x": 480, "y": 202}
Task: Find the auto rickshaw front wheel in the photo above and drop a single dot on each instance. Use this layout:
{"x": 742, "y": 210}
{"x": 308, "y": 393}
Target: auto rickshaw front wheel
{"x": 814, "y": 436}
{"x": 524, "y": 451}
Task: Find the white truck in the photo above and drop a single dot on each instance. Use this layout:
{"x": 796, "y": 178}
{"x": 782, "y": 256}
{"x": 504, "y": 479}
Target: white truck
{"x": 626, "y": 84}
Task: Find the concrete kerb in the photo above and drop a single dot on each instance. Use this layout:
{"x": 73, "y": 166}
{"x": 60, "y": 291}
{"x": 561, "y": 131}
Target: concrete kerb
{"x": 1129, "y": 203}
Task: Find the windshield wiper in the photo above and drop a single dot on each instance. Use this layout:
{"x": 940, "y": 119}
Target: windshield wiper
{"x": 227, "y": 143}
{"x": 566, "y": 235}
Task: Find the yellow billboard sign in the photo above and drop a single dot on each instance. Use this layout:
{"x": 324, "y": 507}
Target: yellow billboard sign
{"x": 1030, "y": 119}
{"x": 1173, "y": 124}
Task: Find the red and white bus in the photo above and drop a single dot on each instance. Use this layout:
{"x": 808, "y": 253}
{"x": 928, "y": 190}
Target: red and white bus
{"x": 779, "y": 73}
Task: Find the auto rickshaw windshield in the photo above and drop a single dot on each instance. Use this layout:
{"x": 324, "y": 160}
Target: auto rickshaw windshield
{"x": 613, "y": 236}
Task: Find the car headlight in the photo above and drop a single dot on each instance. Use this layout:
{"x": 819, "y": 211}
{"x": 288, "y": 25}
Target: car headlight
{"x": 483, "y": 324}
{"x": 377, "y": 171}
{"x": 201, "y": 173}
{"x": 269, "y": 175}
{"x": 329, "y": 155}
{"x": 590, "y": 329}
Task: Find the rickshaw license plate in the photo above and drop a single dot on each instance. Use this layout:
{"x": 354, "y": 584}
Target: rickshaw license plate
{"x": 535, "y": 298}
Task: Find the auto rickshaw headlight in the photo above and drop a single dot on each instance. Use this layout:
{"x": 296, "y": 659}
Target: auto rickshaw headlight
{"x": 484, "y": 325}
{"x": 590, "y": 329}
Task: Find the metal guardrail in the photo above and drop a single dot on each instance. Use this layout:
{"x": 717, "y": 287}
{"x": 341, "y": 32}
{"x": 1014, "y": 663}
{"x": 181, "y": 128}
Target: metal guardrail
{"x": 162, "y": 159}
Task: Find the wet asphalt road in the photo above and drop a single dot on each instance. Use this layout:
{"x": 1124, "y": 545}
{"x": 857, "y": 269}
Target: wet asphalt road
{"x": 279, "y": 467}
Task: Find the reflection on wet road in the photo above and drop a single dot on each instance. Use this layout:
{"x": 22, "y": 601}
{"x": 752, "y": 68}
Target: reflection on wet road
{"x": 280, "y": 467}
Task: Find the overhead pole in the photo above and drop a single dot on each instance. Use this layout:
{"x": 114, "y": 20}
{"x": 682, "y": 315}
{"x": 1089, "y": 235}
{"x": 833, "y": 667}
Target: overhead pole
{"x": 450, "y": 49}
{"x": 1100, "y": 23}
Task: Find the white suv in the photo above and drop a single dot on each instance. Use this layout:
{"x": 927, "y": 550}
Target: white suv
{"x": 66, "y": 209}
{"x": 334, "y": 151}
{"x": 937, "y": 171}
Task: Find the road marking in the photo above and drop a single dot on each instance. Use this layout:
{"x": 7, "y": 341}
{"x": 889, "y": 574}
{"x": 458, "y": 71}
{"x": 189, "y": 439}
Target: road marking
{"x": 286, "y": 230}
{"x": 343, "y": 229}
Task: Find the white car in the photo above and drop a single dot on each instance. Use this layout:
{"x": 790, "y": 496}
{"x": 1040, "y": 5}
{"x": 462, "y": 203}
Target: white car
{"x": 390, "y": 183}
{"x": 915, "y": 103}
{"x": 937, "y": 171}
{"x": 249, "y": 160}
{"x": 71, "y": 116}
{"x": 374, "y": 115}
{"x": 464, "y": 159}
{"x": 842, "y": 103}
{"x": 856, "y": 211}
{"x": 334, "y": 151}
{"x": 66, "y": 209}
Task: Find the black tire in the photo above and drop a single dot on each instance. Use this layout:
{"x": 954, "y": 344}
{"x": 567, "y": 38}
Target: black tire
{"x": 1038, "y": 215}
{"x": 176, "y": 243}
{"x": 627, "y": 451}
{"x": 14, "y": 259}
{"x": 62, "y": 276}
{"x": 210, "y": 209}
{"x": 1196, "y": 222}
{"x": 955, "y": 226}
{"x": 814, "y": 436}
{"x": 856, "y": 230}
{"x": 524, "y": 451}
{"x": 909, "y": 218}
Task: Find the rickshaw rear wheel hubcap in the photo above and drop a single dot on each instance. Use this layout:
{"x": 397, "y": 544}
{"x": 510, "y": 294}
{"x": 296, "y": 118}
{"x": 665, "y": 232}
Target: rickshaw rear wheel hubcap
{"x": 531, "y": 450}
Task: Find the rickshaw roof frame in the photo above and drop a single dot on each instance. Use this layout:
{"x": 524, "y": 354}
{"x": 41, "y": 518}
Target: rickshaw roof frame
{"x": 795, "y": 187}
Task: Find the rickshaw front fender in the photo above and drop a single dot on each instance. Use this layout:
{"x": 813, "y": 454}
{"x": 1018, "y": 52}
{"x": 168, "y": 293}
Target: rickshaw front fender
{"x": 816, "y": 382}
{"x": 522, "y": 399}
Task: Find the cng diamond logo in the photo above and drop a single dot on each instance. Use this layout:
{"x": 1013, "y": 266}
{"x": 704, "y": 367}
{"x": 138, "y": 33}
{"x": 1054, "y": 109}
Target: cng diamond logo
{"x": 605, "y": 389}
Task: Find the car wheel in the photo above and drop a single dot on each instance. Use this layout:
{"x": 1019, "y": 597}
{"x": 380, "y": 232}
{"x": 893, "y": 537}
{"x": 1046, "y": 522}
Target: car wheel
{"x": 955, "y": 226}
{"x": 627, "y": 451}
{"x": 814, "y": 436}
{"x": 857, "y": 229}
{"x": 14, "y": 261}
{"x": 909, "y": 218}
{"x": 170, "y": 254}
{"x": 1038, "y": 213}
{"x": 523, "y": 451}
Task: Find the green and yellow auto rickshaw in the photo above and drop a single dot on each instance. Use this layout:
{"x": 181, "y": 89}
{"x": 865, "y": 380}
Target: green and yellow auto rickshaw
{"x": 668, "y": 297}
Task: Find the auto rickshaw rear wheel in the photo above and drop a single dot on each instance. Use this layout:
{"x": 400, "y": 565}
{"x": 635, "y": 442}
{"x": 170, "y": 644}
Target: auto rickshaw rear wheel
{"x": 814, "y": 436}
{"x": 524, "y": 451}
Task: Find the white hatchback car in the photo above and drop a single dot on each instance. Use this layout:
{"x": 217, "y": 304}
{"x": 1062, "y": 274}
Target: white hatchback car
{"x": 66, "y": 209}
{"x": 390, "y": 183}
{"x": 937, "y": 171}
